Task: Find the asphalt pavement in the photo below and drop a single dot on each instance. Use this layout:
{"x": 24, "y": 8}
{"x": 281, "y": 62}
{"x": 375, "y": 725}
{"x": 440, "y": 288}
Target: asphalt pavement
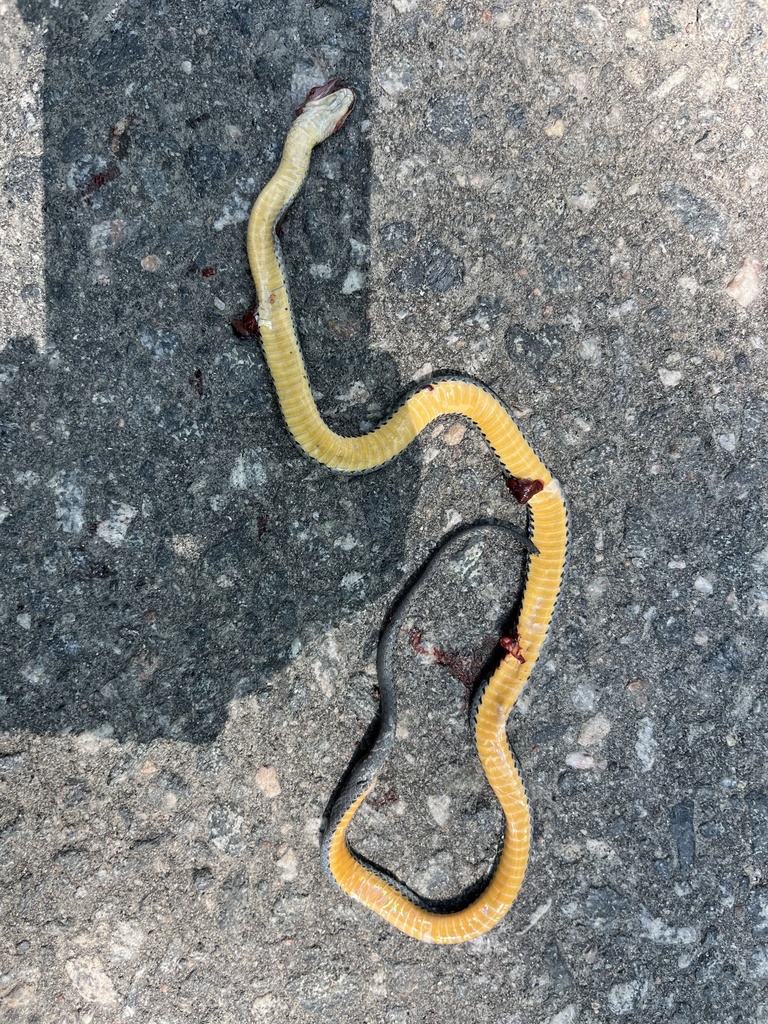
{"x": 565, "y": 200}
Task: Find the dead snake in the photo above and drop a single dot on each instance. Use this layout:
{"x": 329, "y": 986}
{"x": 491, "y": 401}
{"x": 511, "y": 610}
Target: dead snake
{"x": 324, "y": 111}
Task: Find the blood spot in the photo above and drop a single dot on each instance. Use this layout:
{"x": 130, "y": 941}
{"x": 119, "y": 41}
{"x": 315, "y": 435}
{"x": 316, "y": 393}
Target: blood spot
{"x": 524, "y": 490}
{"x": 248, "y": 324}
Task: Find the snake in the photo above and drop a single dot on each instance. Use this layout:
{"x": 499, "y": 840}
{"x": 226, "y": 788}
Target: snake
{"x": 530, "y": 482}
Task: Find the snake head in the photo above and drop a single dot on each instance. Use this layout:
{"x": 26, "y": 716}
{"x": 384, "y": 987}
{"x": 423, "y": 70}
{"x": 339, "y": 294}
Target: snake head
{"x": 326, "y": 108}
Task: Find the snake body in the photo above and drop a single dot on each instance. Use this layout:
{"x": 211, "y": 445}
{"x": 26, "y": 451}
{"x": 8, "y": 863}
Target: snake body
{"x": 323, "y": 113}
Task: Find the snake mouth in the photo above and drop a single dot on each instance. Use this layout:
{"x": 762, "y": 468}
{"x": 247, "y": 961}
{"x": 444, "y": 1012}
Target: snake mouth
{"x": 329, "y": 87}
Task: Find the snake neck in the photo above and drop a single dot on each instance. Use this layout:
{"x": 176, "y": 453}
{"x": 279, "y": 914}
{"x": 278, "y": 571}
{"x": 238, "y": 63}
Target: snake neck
{"x": 272, "y": 202}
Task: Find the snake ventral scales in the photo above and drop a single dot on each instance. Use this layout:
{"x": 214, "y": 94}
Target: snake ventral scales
{"x": 323, "y": 113}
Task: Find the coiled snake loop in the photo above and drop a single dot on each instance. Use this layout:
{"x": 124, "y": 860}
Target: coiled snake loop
{"x": 324, "y": 112}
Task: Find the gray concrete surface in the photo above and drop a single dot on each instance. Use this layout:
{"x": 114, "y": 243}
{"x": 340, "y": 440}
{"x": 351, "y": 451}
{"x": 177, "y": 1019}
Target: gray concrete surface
{"x": 553, "y": 197}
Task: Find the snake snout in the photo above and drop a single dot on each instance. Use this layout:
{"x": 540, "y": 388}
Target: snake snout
{"x": 318, "y": 92}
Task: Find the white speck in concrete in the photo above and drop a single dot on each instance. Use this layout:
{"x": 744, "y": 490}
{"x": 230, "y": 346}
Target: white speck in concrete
{"x": 594, "y": 731}
{"x": 703, "y": 585}
{"x": 359, "y": 249}
{"x": 91, "y": 981}
{"x": 347, "y": 542}
{"x": 624, "y": 310}
{"x": 24, "y": 620}
{"x": 267, "y": 781}
{"x": 114, "y": 529}
{"x": 288, "y": 866}
{"x": 688, "y": 284}
{"x": 541, "y": 911}
{"x": 672, "y": 82}
{"x": 92, "y": 741}
{"x": 596, "y": 588}
{"x": 396, "y": 80}
{"x": 663, "y": 934}
{"x": 237, "y": 207}
{"x": 598, "y": 848}
{"x": 356, "y": 394}
{"x": 584, "y": 197}
{"x": 378, "y": 986}
{"x": 641, "y": 28}
{"x": 646, "y": 746}
{"x": 590, "y": 351}
{"x": 34, "y": 673}
{"x": 352, "y": 581}
{"x": 581, "y": 762}
{"x": 439, "y": 808}
{"x": 555, "y": 129}
{"x": 568, "y": 1015}
{"x": 106, "y": 234}
{"x": 312, "y": 831}
{"x": 744, "y": 287}
{"x": 452, "y": 519}
{"x": 186, "y": 545}
{"x": 126, "y": 941}
{"x": 455, "y": 433}
{"x": 670, "y": 378}
{"x": 248, "y": 471}
{"x": 69, "y": 500}
{"x": 727, "y": 441}
{"x": 759, "y": 963}
{"x": 583, "y": 697}
{"x": 159, "y": 342}
{"x": 590, "y": 19}
{"x": 353, "y": 282}
{"x": 227, "y": 831}
{"x": 621, "y": 997}
{"x": 265, "y": 1006}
